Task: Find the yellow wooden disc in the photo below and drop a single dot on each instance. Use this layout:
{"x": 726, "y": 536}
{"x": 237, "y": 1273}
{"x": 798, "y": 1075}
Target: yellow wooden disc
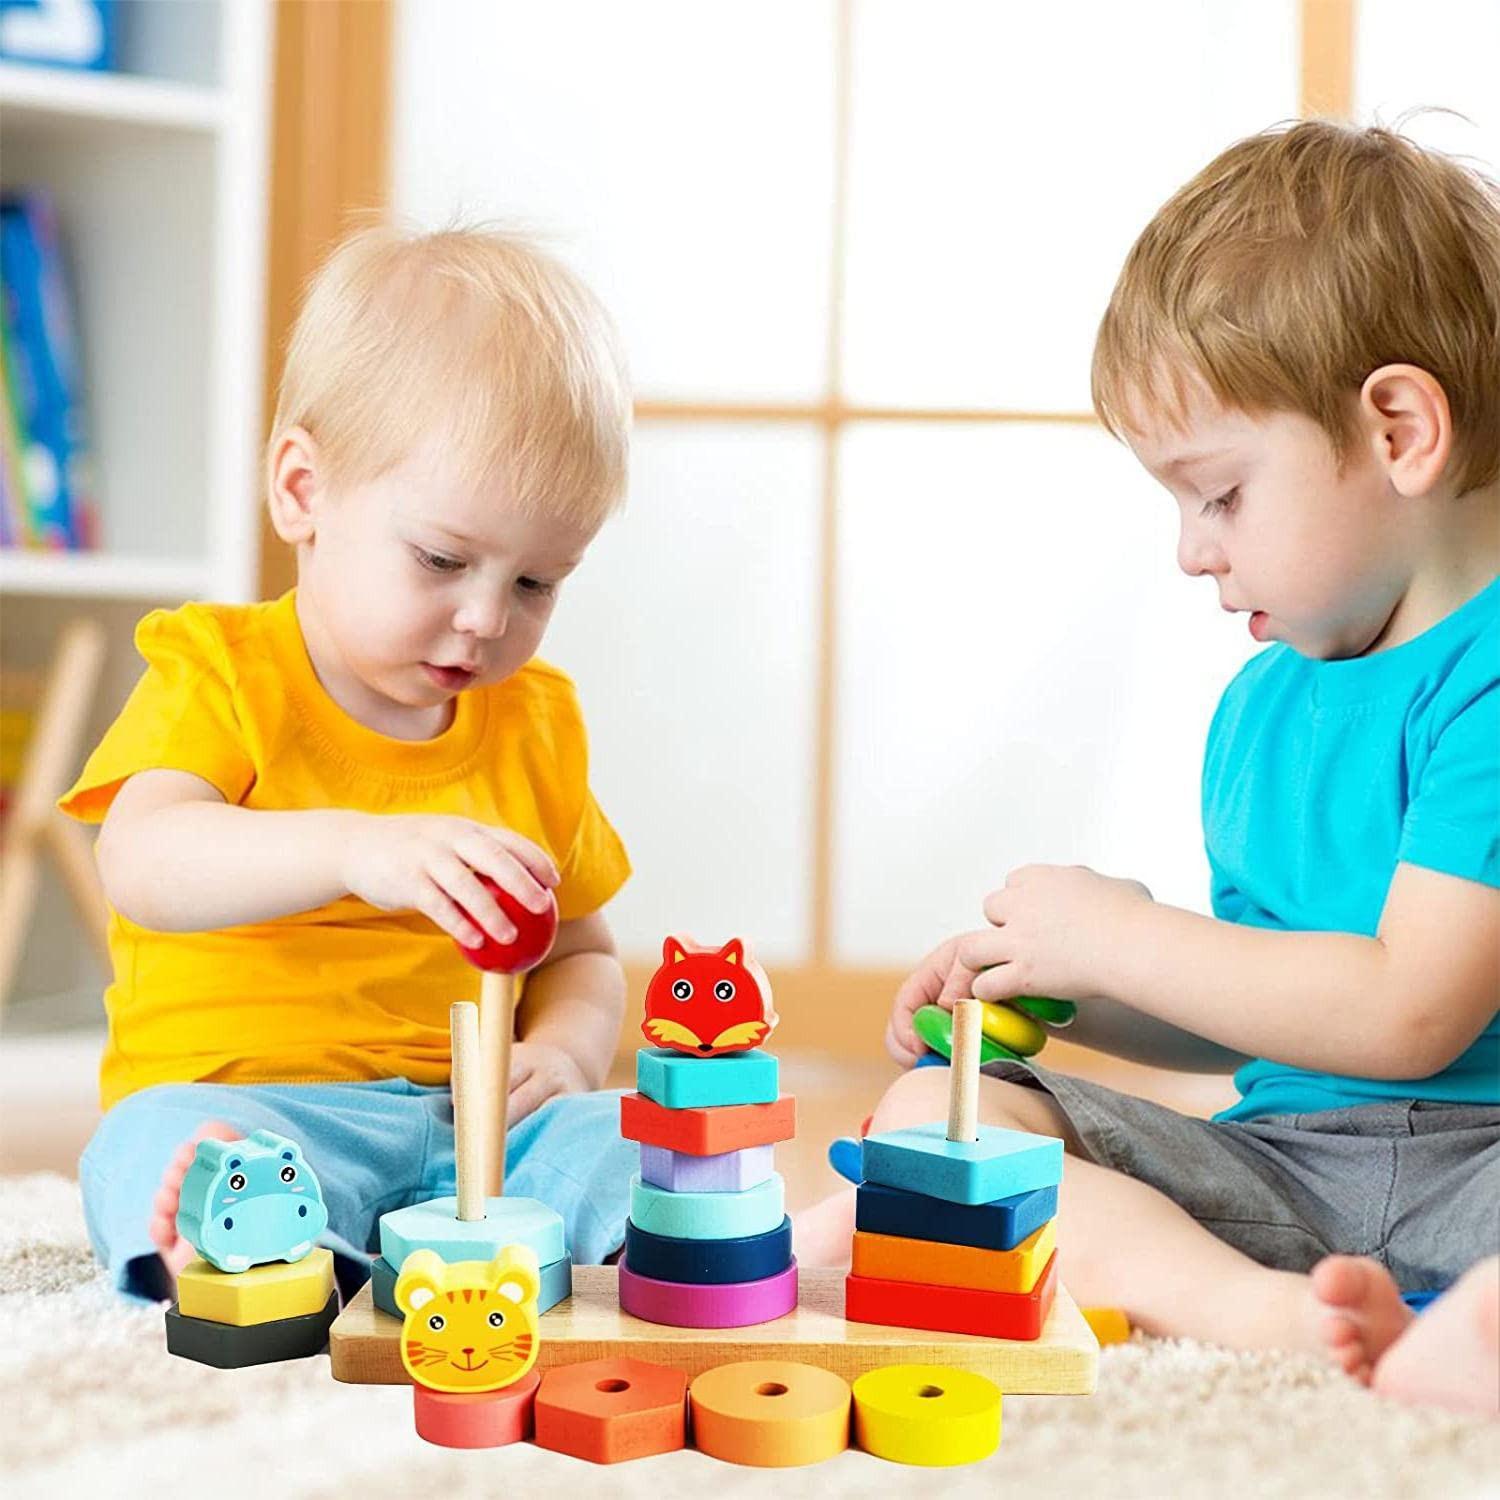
{"x": 1110, "y": 1324}
{"x": 769, "y": 1413}
{"x": 1009, "y": 1027}
{"x": 926, "y": 1414}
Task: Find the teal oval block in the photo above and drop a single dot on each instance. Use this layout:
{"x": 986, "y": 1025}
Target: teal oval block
{"x": 507, "y": 1221}
{"x": 708, "y": 1216}
{"x": 677, "y": 1081}
{"x": 246, "y": 1203}
{"x": 999, "y": 1164}
{"x": 557, "y": 1283}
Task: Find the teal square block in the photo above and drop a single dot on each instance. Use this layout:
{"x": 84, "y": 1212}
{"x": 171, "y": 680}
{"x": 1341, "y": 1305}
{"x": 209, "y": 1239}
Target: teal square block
{"x": 676, "y": 1081}
{"x": 1001, "y": 1163}
{"x": 708, "y": 1216}
{"x": 435, "y": 1226}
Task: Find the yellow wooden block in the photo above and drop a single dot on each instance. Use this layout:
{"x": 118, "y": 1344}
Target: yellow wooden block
{"x": 1110, "y": 1324}
{"x": 263, "y": 1294}
{"x": 926, "y": 1414}
{"x": 892, "y": 1257}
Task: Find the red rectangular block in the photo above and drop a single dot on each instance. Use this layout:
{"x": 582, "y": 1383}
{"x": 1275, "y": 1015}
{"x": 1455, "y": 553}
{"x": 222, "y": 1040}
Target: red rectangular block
{"x": 707, "y": 1131}
{"x": 952, "y": 1309}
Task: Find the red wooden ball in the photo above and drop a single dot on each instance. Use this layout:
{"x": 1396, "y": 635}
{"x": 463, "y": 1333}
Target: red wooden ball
{"x": 535, "y": 933}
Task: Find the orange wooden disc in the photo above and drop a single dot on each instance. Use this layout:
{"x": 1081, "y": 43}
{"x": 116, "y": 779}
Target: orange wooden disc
{"x": 770, "y": 1413}
{"x": 476, "y": 1419}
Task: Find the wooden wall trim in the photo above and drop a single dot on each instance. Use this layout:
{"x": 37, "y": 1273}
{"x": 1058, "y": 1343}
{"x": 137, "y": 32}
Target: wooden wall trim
{"x": 330, "y": 165}
{"x": 1327, "y": 68}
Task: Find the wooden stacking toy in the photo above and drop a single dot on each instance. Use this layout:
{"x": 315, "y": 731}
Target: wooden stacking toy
{"x": 610, "y": 1410}
{"x": 926, "y": 1414}
{"x": 479, "y": 1221}
{"x": 1011, "y": 1031}
{"x": 469, "y": 1341}
{"x": 770, "y": 1413}
{"x": 260, "y": 1290}
{"x": 708, "y": 1242}
{"x": 965, "y": 1240}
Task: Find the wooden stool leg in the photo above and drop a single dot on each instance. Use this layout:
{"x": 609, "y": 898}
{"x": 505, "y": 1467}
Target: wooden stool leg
{"x": 51, "y": 759}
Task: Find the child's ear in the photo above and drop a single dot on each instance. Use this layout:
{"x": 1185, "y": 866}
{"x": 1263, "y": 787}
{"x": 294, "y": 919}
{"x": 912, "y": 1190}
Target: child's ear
{"x": 1404, "y": 412}
{"x": 293, "y": 486}
{"x": 421, "y": 1279}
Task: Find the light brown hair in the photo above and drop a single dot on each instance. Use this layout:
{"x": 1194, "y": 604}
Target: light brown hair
{"x": 1297, "y": 262}
{"x": 471, "y": 337}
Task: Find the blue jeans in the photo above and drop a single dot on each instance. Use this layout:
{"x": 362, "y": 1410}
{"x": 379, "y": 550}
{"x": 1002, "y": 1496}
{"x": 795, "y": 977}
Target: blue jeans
{"x": 374, "y": 1146}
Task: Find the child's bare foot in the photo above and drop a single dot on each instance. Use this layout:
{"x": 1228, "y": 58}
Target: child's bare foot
{"x": 1362, "y": 1311}
{"x": 1450, "y": 1356}
{"x": 175, "y": 1251}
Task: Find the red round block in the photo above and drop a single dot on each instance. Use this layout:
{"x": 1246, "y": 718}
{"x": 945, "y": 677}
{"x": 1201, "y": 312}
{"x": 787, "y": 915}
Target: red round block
{"x": 535, "y": 933}
{"x": 476, "y": 1419}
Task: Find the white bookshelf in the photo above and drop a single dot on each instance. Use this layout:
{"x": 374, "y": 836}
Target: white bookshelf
{"x": 160, "y": 176}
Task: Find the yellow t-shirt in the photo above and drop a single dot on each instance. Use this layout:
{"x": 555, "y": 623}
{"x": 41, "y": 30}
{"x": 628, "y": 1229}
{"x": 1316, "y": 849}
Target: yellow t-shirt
{"x": 346, "y": 991}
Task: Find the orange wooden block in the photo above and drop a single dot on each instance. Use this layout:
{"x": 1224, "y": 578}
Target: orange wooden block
{"x": 1111, "y": 1325}
{"x": 476, "y": 1419}
{"x": 891, "y": 1257}
{"x": 608, "y": 1410}
{"x": 710, "y": 1130}
{"x": 951, "y": 1309}
{"x": 770, "y": 1413}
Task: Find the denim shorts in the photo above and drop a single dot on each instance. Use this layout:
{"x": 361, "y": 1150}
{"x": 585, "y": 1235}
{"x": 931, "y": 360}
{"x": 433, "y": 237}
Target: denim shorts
{"x": 1413, "y": 1183}
{"x": 374, "y": 1146}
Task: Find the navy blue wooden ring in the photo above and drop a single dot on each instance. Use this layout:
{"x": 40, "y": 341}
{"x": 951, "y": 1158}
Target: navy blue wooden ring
{"x": 709, "y": 1262}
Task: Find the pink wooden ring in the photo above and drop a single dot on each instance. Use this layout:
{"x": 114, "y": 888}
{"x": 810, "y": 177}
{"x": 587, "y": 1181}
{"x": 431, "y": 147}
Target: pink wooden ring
{"x": 731, "y": 1304}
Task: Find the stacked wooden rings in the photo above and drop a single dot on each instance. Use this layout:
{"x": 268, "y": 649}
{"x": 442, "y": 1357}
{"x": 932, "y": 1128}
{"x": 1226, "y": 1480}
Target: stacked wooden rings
{"x": 708, "y": 1243}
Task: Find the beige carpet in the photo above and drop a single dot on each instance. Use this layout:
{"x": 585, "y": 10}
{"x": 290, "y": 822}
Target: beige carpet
{"x": 92, "y": 1405}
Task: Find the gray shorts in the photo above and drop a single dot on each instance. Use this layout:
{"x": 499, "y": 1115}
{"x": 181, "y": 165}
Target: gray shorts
{"x": 1414, "y": 1184}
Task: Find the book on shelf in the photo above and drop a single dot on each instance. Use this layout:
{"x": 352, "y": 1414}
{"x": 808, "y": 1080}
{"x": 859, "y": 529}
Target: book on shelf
{"x": 46, "y": 497}
{"x": 59, "y": 33}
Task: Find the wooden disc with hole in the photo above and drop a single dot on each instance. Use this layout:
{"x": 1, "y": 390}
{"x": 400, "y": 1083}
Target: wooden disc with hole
{"x": 769, "y": 1413}
{"x": 926, "y": 1414}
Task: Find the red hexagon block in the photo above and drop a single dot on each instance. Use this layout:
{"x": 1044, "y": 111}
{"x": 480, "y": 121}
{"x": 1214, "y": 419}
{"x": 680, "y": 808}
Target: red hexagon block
{"x": 608, "y": 1410}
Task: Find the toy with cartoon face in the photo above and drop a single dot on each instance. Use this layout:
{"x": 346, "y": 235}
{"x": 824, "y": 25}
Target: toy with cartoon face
{"x": 247, "y": 1202}
{"x": 469, "y": 1325}
{"x": 705, "y": 1001}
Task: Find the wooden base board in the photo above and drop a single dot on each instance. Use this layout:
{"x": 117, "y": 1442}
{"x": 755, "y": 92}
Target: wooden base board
{"x": 364, "y": 1344}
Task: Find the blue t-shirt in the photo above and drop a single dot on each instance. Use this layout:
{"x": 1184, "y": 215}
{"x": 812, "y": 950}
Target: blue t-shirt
{"x": 1320, "y": 777}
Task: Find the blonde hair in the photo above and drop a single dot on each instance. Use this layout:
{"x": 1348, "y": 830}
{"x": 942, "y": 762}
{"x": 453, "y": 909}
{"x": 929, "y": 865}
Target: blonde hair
{"x": 474, "y": 338}
{"x": 1296, "y": 263}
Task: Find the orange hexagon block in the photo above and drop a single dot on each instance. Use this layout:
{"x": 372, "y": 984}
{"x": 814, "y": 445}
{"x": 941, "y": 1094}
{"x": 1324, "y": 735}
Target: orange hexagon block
{"x": 608, "y": 1410}
{"x": 770, "y": 1413}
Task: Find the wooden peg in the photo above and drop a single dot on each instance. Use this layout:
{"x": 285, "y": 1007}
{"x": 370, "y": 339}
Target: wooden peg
{"x": 963, "y": 1082}
{"x": 497, "y": 1023}
{"x": 469, "y": 1110}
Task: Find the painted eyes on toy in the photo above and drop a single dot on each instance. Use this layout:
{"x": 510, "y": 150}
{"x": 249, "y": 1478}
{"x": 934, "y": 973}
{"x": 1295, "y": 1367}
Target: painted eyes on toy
{"x": 497, "y": 1320}
{"x": 724, "y": 990}
{"x": 237, "y": 1182}
{"x": 682, "y": 989}
{"x": 289, "y": 1174}
{"x": 436, "y": 1323}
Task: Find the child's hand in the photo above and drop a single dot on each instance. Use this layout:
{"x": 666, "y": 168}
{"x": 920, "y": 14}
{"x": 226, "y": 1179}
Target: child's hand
{"x": 538, "y": 1072}
{"x": 1056, "y": 930}
{"x": 923, "y": 986}
{"x": 428, "y": 863}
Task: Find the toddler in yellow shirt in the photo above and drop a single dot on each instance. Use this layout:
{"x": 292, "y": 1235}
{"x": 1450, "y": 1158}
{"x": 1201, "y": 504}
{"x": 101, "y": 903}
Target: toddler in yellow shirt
{"x": 300, "y": 796}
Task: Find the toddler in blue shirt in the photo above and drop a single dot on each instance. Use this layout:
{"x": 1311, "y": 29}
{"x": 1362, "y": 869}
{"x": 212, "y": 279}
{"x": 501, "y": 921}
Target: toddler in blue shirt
{"x": 1304, "y": 348}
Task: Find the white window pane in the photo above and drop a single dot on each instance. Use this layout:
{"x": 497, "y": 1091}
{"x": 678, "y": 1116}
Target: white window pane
{"x": 691, "y": 630}
{"x": 1024, "y": 676}
{"x": 679, "y": 155}
{"x": 1446, "y": 55}
{"x": 1003, "y": 159}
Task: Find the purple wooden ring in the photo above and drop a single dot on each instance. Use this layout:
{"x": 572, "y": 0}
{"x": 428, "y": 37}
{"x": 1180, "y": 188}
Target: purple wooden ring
{"x": 731, "y": 1304}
